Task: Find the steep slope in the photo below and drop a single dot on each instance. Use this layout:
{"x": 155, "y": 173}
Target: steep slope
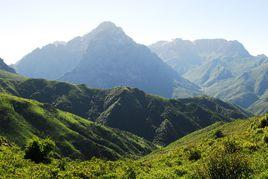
{"x": 260, "y": 106}
{"x": 5, "y": 67}
{"x": 223, "y": 150}
{"x": 75, "y": 137}
{"x": 225, "y": 69}
{"x": 104, "y": 58}
{"x": 245, "y": 89}
{"x": 241, "y": 144}
{"x": 129, "y": 109}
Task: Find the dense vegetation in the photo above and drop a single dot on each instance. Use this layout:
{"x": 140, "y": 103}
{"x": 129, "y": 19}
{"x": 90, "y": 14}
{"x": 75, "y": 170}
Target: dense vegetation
{"x": 75, "y": 137}
{"x": 240, "y": 152}
{"x": 154, "y": 118}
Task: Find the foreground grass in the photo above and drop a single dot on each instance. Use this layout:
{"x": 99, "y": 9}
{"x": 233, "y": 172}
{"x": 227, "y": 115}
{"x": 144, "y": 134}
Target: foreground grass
{"x": 237, "y": 149}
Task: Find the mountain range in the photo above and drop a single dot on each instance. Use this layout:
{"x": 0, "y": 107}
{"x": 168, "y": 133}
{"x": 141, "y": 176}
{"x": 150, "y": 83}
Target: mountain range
{"x": 118, "y": 109}
{"x": 105, "y": 58}
{"x": 154, "y": 118}
{"x": 223, "y": 69}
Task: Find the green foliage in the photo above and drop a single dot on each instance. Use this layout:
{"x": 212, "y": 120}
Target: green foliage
{"x": 154, "y": 118}
{"x": 263, "y": 122}
{"x": 39, "y": 150}
{"x": 228, "y": 157}
{"x": 75, "y": 137}
{"x": 193, "y": 154}
{"x": 224, "y": 165}
{"x": 230, "y": 146}
{"x": 265, "y": 139}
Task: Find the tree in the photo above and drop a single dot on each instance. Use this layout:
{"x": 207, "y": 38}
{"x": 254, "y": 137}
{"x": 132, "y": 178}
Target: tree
{"x": 39, "y": 150}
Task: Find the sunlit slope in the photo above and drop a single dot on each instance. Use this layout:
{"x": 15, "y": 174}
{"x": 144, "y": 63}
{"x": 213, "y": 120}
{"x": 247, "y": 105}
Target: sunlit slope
{"x": 22, "y": 120}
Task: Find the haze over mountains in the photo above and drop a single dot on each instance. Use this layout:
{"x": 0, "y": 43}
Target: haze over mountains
{"x": 107, "y": 57}
{"x": 223, "y": 69}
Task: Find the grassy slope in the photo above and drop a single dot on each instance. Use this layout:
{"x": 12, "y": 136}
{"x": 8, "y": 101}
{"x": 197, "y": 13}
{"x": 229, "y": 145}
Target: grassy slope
{"x": 169, "y": 162}
{"x": 21, "y": 120}
{"x": 154, "y": 118}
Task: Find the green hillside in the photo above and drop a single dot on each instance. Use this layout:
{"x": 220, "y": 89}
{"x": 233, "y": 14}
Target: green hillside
{"x": 224, "y": 150}
{"x": 156, "y": 119}
{"x": 21, "y": 120}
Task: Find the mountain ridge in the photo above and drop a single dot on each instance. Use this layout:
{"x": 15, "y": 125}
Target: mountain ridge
{"x": 126, "y": 108}
{"x": 224, "y": 69}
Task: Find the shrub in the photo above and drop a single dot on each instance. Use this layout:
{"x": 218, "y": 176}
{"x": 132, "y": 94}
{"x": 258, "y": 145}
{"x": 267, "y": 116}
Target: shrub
{"x": 218, "y": 134}
{"x": 263, "y": 122}
{"x": 251, "y": 146}
{"x": 265, "y": 139}
{"x": 226, "y": 162}
{"x": 39, "y": 150}
{"x": 230, "y": 146}
{"x": 193, "y": 154}
{"x": 259, "y": 131}
{"x": 223, "y": 166}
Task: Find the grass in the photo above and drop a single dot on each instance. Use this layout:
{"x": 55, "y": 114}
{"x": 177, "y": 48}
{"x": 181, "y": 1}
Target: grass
{"x": 241, "y": 152}
{"x": 75, "y": 137}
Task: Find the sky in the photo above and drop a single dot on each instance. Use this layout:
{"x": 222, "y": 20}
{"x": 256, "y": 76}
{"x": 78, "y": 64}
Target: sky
{"x": 28, "y": 24}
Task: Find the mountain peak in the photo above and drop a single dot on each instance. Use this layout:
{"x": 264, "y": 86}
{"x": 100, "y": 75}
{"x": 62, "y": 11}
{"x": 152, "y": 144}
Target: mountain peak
{"x": 108, "y": 26}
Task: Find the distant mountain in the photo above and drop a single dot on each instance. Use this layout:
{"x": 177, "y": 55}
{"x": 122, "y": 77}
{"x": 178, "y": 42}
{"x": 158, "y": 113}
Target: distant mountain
{"x": 5, "y": 67}
{"x": 156, "y": 119}
{"x": 224, "y": 70}
{"x": 51, "y": 61}
{"x": 105, "y": 58}
{"x": 184, "y": 55}
{"x": 179, "y": 54}
{"x": 219, "y": 48}
{"x": 21, "y": 120}
{"x": 261, "y": 105}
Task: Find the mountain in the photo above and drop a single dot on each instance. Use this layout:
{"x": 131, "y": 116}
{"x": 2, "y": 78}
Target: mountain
{"x": 21, "y": 120}
{"x": 106, "y": 58}
{"x": 179, "y": 54}
{"x": 260, "y": 106}
{"x": 219, "y": 48}
{"x": 224, "y": 150}
{"x": 5, "y": 67}
{"x": 154, "y": 118}
{"x": 223, "y": 69}
{"x": 52, "y": 60}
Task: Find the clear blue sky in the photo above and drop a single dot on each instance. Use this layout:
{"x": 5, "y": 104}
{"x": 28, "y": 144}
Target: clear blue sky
{"x": 27, "y": 24}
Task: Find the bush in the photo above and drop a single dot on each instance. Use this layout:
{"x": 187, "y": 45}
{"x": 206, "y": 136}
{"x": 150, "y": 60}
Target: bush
{"x": 226, "y": 161}
{"x": 218, "y": 134}
{"x": 39, "y": 150}
{"x": 193, "y": 154}
{"x": 263, "y": 122}
{"x": 265, "y": 139}
{"x": 223, "y": 166}
{"x": 230, "y": 146}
